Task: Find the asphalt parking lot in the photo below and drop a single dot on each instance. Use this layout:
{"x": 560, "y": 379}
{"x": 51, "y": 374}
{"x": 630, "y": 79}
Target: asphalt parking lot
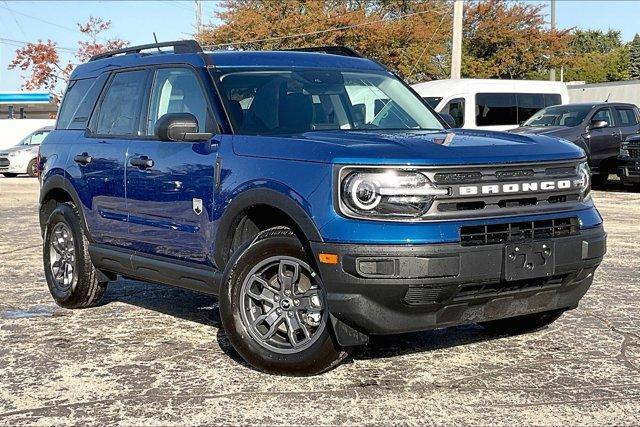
{"x": 156, "y": 355}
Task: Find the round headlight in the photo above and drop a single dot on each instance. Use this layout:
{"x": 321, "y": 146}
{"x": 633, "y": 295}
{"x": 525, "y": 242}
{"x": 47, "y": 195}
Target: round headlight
{"x": 364, "y": 194}
{"x": 584, "y": 178}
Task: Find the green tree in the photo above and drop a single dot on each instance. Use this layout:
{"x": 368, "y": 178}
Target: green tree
{"x": 589, "y": 41}
{"x": 634, "y": 58}
{"x": 595, "y": 56}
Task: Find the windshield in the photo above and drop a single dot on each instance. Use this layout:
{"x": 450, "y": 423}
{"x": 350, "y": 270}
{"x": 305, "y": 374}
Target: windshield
{"x": 271, "y": 102}
{"x": 559, "y": 115}
{"x": 433, "y": 101}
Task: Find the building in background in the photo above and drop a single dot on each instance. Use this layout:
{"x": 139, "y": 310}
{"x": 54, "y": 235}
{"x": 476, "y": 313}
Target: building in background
{"x": 622, "y": 91}
{"x": 27, "y": 105}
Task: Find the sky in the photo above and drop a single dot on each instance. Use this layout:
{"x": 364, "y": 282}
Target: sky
{"x": 22, "y": 21}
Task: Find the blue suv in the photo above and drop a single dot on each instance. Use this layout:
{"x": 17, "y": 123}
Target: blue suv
{"x": 315, "y": 194}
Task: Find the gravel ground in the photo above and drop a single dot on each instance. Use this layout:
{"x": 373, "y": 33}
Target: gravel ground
{"x": 156, "y": 355}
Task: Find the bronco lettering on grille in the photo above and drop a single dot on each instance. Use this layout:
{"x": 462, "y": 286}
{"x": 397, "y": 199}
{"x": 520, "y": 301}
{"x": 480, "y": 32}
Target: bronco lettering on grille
{"x": 511, "y": 188}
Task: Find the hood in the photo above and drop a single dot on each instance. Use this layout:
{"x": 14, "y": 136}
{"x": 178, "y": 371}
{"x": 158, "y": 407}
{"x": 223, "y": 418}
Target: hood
{"x": 542, "y": 130}
{"x": 19, "y": 148}
{"x": 448, "y": 147}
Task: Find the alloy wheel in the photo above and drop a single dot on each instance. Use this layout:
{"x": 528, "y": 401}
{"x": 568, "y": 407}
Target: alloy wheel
{"x": 62, "y": 257}
{"x": 282, "y": 305}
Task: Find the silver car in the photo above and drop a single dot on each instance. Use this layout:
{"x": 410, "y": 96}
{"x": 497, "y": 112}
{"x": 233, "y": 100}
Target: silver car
{"x": 22, "y": 158}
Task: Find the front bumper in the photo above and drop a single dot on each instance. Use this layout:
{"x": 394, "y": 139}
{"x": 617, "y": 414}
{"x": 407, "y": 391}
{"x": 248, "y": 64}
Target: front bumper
{"x": 629, "y": 171}
{"x": 12, "y": 165}
{"x": 386, "y": 289}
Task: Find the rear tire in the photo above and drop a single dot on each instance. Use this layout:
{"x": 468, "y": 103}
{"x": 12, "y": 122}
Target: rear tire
{"x": 599, "y": 180}
{"x": 273, "y": 308}
{"x": 9, "y": 175}
{"x": 71, "y": 277}
{"x": 522, "y": 324}
{"x": 32, "y": 168}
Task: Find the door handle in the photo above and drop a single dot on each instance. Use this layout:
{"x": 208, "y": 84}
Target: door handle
{"x": 142, "y": 162}
{"x": 82, "y": 159}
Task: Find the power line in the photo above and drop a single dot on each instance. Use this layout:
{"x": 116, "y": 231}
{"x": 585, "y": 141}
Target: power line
{"x": 38, "y": 19}
{"x": 21, "y": 43}
{"x": 427, "y": 45}
{"x": 312, "y": 33}
{"x": 15, "y": 19}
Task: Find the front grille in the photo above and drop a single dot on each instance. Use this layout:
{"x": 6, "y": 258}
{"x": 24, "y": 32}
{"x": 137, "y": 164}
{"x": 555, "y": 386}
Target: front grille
{"x": 4, "y": 163}
{"x": 491, "y": 289}
{"x": 491, "y": 234}
{"x": 442, "y": 294}
{"x": 634, "y": 153}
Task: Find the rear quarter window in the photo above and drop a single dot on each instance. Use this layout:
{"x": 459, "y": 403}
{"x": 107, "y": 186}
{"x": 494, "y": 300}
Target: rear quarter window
{"x": 78, "y": 103}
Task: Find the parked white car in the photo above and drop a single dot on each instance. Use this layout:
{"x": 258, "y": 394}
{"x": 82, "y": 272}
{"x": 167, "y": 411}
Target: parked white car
{"x": 491, "y": 104}
{"x": 22, "y": 158}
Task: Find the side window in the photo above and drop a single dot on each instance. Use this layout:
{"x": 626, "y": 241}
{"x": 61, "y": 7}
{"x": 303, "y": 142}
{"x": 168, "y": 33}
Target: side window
{"x": 626, "y": 116}
{"x": 121, "y": 106}
{"x": 177, "y": 90}
{"x": 552, "y": 99}
{"x": 38, "y": 137}
{"x": 529, "y": 104}
{"x": 496, "y": 109}
{"x": 76, "y": 92}
{"x": 603, "y": 114}
{"x": 455, "y": 108}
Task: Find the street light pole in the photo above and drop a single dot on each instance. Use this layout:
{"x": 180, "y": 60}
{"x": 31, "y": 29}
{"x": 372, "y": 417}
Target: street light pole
{"x": 552, "y": 71}
{"x": 456, "y": 49}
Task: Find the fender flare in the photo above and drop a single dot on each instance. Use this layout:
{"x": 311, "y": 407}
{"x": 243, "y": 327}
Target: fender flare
{"x": 266, "y": 197}
{"x": 59, "y": 182}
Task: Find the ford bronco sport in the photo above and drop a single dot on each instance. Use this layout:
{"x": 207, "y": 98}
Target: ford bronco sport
{"x": 314, "y": 193}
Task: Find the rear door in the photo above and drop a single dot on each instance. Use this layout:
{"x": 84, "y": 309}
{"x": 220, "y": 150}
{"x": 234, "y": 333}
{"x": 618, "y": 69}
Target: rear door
{"x": 627, "y": 121}
{"x": 170, "y": 200}
{"x": 100, "y": 155}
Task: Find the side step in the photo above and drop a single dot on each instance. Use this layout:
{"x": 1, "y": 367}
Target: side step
{"x": 156, "y": 269}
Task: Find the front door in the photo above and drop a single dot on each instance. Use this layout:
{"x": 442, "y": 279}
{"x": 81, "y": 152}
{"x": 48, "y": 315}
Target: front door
{"x": 169, "y": 183}
{"x": 604, "y": 142}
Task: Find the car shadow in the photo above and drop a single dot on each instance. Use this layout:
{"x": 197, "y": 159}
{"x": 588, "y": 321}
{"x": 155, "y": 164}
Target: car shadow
{"x": 616, "y": 186}
{"x": 203, "y": 309}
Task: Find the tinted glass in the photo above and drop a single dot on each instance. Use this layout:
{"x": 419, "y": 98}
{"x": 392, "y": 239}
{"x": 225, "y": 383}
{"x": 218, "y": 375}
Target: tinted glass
{"x": 432, "y": 100}
{"x": 496, "y": 109}
{"x": 529, "y": 104}
{"x": 603, "y": 114}
{"x": 121, "y": 106}
{"x": 552, "y": 99}
{"x": 455, "y": 108}
{"x": 38, "y": 137}
{"x": 177, "y": 90}
{"x": 627, "y": 116}
{"x": 76, "y": 92}
{"x": 559, "y": 115}
{"x": 293, "y": 101}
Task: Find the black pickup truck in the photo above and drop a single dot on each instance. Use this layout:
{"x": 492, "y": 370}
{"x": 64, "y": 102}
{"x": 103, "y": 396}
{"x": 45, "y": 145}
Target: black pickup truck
{"x": 598, "y": 128}
{"x": 629, "y": 162}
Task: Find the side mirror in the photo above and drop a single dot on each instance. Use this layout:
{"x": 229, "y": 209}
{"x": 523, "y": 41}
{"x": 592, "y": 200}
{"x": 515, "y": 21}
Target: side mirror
{"x": 598, "y": 124}
{"x": 179, "y": 127}
{"x": 448, "y": 118}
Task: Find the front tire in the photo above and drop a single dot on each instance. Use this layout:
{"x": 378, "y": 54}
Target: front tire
{"x": 273, "y": 308}
{"x": 32, "y": 168}
{"x": 9, "y": 175}
{"x": 71, "y": 277}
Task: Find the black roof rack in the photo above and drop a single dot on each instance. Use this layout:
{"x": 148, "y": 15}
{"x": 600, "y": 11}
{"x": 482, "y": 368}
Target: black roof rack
{"x": 179, "y": 46}
{"x": 332, "y": 50}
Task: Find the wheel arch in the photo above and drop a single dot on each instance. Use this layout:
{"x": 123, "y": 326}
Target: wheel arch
{"x": 255, "y": 210}
{"x": 59, "y": 189}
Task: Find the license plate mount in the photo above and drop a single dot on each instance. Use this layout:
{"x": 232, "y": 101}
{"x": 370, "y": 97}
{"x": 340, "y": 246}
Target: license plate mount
{"x": 529, "y": 260}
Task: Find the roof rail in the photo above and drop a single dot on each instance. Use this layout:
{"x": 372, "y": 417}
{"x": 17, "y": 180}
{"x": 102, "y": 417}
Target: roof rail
{"x": 332, "y": 50}
{"x": 179, "y": 46}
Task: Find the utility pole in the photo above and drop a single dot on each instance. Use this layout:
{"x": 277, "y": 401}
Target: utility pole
{"x": 198, "y": 18}
{"x": 552, "y": 72}
{"x": 456, "y": 49}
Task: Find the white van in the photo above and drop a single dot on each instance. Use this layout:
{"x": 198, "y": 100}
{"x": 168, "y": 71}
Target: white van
{"x": 491, "y": 104}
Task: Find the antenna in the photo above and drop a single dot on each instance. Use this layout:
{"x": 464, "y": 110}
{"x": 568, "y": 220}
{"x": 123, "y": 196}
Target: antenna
{"x": 156, "y": 39}
{"x": 607, "y": 100}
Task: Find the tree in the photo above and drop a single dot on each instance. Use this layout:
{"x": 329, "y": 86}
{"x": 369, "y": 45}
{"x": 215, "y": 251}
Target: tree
{"x": 634, "y": 58}
{"x": 411, "y": 37}
{"x": 504, "y": 39}
{"x": 42, "y": 59}
{"x": 595, "y": 56}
